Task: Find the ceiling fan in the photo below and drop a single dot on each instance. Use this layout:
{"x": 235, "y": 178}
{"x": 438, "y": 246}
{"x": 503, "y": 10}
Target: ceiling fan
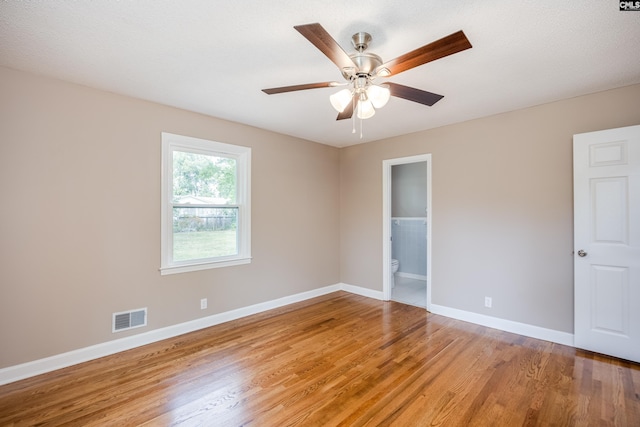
{"x": 361, "y": 69}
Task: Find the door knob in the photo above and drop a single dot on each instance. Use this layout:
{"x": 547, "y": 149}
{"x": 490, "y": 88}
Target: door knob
{"x": 582, "y": 253}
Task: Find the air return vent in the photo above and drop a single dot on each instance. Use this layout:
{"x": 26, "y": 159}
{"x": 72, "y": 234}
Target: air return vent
{"x": 129, "y": 319}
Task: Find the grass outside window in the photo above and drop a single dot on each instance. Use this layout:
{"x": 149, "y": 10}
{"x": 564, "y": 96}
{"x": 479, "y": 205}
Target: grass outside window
{"x": 204, "y": 244}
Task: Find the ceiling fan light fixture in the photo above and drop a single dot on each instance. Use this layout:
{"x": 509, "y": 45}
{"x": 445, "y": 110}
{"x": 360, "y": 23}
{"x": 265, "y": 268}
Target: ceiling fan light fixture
{"x": 340, "y": 100}
{"x": 365, "y": 109}
{"x": 379, "y": 95}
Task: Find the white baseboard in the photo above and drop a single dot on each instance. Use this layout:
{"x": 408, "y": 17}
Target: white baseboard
{"x": 59, "y": 361}
{"x": 411, "y": 276}
{"x": 365, "y": 292}
{"x": 552, "y": 335}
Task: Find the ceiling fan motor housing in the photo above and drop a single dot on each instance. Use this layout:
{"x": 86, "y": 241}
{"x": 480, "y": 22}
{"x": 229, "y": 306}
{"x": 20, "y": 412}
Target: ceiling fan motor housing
{"x": 366, "y": 62}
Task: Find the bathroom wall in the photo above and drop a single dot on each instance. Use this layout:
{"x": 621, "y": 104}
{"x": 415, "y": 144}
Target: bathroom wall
{"x": 409, "y": 246}
{"x": 409, "y": 190}
{"x": 408, "y": 225}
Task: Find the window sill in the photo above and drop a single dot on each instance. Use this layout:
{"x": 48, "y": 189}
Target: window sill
{"x": 203, "y": 266}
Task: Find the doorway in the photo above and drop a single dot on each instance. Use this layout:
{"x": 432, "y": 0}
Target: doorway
{"x": 407, "y": 230}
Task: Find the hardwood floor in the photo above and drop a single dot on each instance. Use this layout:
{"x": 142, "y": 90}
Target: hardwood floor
{"x": 337, "y": 360}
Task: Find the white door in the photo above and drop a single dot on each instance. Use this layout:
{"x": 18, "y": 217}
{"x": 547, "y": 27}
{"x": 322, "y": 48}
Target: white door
{"x": 606, "y": 172}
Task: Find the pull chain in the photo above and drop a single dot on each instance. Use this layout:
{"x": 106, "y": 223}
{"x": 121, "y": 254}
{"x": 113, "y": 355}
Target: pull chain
{"x": 353, "y": 116}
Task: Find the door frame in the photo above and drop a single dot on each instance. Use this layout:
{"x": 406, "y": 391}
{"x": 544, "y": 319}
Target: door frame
{"x": 386, "y": 221}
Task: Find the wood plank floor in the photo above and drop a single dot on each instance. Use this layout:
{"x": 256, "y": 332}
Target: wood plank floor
{"x": 337, "y": 360}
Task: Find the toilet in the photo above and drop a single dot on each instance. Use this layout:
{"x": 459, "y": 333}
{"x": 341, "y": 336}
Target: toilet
{"x": 394, "y": 268}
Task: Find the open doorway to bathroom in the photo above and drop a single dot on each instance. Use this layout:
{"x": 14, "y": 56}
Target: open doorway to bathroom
{"x": 407, "y": 230}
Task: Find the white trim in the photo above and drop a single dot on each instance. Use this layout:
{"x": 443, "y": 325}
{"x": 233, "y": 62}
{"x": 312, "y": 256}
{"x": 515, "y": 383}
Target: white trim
{"x": 203, "y": 266}
{"x": 386, "y": 222}
{"x": 63, "y": 360}
{"x": 386, "y": 231}
{"x": 409, "y": 218}
{"x": 411, "y": 276}
{"x": 527, "y": 330}
{"x": 365, "y": 292}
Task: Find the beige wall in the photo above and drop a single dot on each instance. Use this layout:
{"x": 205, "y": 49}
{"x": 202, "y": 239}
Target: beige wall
{"x": 80, "y": 217}
{"x": 80, "y": 213}
{"x": 502, "y": 206}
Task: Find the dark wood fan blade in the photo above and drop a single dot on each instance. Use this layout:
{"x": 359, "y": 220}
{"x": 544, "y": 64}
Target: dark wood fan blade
{"x": 413, "y": 94}
{"x": 446, "y": 46}
{"x": 348, "y": 111}
{"x": 321, "y": 39}
{"x": 293, "y": 88}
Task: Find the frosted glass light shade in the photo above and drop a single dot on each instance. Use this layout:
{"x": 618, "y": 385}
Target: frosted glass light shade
{"x": 379, "y": 95}
{"x": 365, "y": 109}
{"x": 340, "y": 100}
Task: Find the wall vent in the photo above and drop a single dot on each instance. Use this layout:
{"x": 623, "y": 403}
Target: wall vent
{"x": 129, "y": 319}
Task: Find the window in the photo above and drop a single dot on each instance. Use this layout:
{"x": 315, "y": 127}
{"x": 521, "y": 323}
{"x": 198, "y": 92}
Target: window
{"x": 205, "y": 204}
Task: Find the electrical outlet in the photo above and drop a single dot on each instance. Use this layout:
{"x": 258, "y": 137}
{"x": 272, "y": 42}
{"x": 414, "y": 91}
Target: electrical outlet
{"x": 488, "y": 302}
{"x": 203, "y": 303}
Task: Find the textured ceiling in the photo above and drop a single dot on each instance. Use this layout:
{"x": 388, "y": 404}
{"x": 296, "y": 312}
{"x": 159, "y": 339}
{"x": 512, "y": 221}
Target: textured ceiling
{"x": 214, "y": 57}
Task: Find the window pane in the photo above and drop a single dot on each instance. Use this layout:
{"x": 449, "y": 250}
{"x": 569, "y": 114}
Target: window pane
{"x": 203, "y": 179}
{"x": 204, "y": 233}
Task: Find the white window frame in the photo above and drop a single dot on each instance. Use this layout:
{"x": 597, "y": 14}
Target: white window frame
{"x": 242, "y": 155}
